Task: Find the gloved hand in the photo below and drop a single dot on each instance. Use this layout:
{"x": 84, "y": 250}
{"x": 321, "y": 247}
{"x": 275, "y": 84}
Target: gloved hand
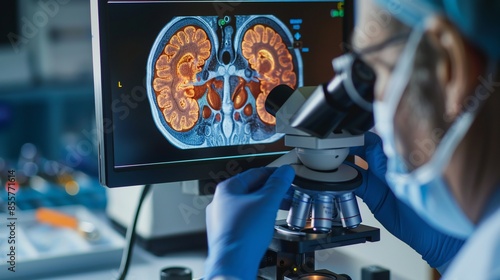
{"x": 240, "y": 221}
{"x": 437, "y": 248}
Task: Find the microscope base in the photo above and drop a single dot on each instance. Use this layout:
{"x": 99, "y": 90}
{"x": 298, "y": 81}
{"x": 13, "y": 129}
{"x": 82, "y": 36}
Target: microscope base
{"x": 292, "y": 256}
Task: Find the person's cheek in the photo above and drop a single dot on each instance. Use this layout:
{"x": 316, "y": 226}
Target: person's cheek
{"x": 381, "y": 84}
{"x": 411, "y": 132}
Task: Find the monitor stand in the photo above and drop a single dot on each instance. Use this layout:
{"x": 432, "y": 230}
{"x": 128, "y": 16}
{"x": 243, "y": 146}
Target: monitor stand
{"x": 172, "y": 217}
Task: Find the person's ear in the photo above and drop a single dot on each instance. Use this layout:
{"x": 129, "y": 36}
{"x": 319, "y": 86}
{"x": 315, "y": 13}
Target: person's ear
{"x": 458, "y": 66}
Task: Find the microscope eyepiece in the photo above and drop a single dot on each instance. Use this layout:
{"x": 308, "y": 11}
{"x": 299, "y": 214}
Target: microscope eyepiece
{"x": 344, "y": 103}
{"x": 277, "y": 97}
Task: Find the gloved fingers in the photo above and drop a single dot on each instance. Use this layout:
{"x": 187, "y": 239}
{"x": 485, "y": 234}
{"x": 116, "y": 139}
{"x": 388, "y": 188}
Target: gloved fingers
{"x": 245, "y": 182}
{"x": 279, "y": 182}
{"x": 371, "y": 140}
{"x": 377, "y": 164}
{"x": 373, "y": 186}
{"x": 361, "y": 190}
{"x": 287, "y": 200}
{"x": 373, "y": 154}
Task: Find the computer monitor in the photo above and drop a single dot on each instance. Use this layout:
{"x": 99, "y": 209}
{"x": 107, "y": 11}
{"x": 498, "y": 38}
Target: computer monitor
{"x": 180, "y": 86}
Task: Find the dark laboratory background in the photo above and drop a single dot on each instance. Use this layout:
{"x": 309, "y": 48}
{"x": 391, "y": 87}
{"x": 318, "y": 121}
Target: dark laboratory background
{"x": 47, "y": 122}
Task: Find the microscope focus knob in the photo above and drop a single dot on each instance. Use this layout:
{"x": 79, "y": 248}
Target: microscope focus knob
{"x": 176, "y": 273}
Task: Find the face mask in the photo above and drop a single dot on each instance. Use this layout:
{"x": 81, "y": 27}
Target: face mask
{"x": 424, "y": 189}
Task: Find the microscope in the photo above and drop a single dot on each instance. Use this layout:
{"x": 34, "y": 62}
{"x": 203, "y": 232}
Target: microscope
{"x": 321, "y": 123}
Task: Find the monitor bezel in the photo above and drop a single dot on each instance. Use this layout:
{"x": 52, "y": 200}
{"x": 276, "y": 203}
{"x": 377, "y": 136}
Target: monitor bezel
{"x": 215, "y": 170}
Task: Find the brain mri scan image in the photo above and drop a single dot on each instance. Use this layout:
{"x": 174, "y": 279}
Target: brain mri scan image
{"x": 208, "y": 78}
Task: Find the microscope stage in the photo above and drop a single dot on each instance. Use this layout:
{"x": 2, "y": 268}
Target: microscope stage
{"x": 311, "y": 241}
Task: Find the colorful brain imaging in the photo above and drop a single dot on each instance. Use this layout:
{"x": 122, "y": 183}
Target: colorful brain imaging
{"x": 268, "y": 55}
{"x": 208, "y": 82}
{"x": 176, "y": 69}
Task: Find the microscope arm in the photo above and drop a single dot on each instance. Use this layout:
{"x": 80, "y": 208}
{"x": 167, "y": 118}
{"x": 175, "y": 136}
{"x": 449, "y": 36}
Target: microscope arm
{"x": 288, "y": 158}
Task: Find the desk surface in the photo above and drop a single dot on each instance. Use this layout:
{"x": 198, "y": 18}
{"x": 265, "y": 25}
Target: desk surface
{"x": 143, "y": 266}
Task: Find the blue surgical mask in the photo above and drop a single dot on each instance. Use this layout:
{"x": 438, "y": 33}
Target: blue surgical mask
{"x": 424, "y": 189}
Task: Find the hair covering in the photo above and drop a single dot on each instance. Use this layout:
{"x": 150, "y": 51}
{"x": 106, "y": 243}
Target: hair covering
{"x": 478, "y": 20}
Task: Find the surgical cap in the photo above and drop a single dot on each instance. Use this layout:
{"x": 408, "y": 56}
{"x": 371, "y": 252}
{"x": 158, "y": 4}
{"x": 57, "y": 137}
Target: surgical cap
{"x": 478, "y": 20}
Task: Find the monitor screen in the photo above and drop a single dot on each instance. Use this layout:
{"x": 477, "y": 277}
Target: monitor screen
{"x": 9, "y": 25}
{"x": 180, "y": 86}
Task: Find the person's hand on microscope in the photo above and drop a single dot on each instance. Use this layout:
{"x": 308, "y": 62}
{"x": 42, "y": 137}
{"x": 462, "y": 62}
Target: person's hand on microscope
{"x": 240, "y": 221}
{"x": 436, "y": 248}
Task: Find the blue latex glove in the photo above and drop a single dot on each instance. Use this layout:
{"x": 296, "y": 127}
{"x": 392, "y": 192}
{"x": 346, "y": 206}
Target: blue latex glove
{"x": 437, "y": 248}
{"x": 240, "y": 221}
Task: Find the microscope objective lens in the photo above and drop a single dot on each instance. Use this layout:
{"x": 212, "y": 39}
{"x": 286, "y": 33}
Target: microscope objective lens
{"x": 299, "y": 210}
{"x": 349, "y": 211}
{"x": 322, "y": 213}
